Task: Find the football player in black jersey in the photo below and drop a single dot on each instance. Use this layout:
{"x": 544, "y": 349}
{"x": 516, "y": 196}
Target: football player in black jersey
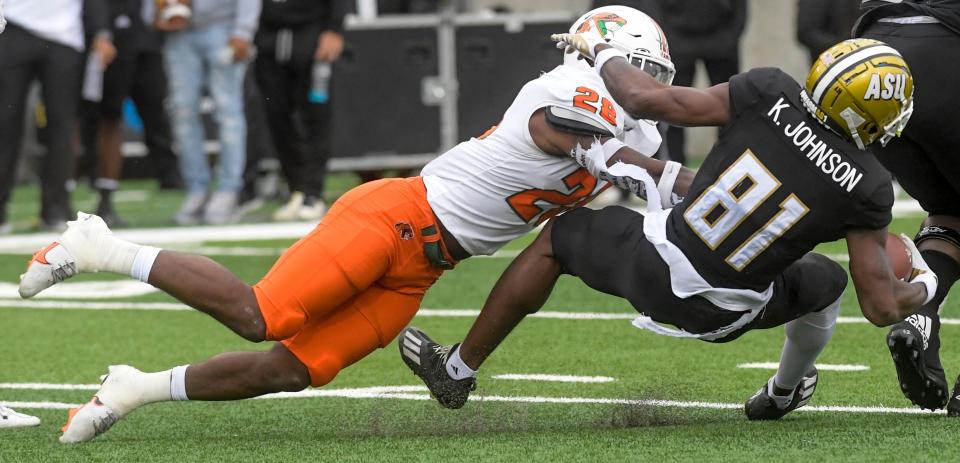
{"x": 787, "y": 173}
{"x": 924, "y": 160}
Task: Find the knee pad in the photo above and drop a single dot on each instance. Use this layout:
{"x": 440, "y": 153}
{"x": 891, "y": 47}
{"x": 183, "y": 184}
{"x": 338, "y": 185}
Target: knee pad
{"x": 324, "y": 369}
{"x": 834, "y": 276}
{"x": 937, "y": 232}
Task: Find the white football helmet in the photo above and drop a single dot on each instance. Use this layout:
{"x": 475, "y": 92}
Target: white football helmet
{"x": 632, "y": 32}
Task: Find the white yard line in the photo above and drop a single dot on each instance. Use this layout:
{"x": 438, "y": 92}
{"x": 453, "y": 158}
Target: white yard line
{"x": 823, "y": 367}
{"x": 83, "y": 305}
{"x": 442, "y": 313}
{"x": 39, "y": 405}
{"x": 118, "y": 289}
{"x": 418, "y": 393}
{"x": 556, "y": 378}
{"x": 49, "y": 386}
{"x": 167, "y": 236}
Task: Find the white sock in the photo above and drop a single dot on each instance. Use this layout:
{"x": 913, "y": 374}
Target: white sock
{"x": 781, "y": 400}
{"x": 143, "y": 389}
{"x": 178, "y": 383}
{"x": 456, "y": 368}
{"x": 806, "y": 338}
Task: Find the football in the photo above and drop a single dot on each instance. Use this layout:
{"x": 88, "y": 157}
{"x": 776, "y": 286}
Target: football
{"x": 899, "y": 256}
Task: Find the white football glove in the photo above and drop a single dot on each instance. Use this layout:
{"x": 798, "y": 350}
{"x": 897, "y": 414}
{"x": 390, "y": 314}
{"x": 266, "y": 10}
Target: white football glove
{"x": 921, "y": 271}
{"x": 584, "y": 42}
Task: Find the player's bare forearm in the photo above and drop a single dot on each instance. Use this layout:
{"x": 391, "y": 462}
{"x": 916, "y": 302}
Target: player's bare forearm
{"x": 884, "y": 299}
{"x": 645, "y": 98}
{"x": 522, "y": 289}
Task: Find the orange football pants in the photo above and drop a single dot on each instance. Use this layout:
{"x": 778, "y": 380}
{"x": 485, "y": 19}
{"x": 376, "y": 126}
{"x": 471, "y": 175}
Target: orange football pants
{"x": 356, "y": 280}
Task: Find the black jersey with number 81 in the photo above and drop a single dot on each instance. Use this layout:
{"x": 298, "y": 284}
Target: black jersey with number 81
{"x": 776, "y": 184}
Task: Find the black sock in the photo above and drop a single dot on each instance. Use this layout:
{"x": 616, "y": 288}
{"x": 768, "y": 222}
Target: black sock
{"x": 947, "y": 271}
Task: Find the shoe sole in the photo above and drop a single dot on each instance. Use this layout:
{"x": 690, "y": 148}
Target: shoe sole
{"x": 915, "y": 381}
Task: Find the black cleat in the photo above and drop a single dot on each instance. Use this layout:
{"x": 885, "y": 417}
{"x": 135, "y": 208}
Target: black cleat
{"x": 428, "y": 360}
{"x": 914, "y": 345}
{"x": 762, "y": 407}
{"x": 953, "y": 407}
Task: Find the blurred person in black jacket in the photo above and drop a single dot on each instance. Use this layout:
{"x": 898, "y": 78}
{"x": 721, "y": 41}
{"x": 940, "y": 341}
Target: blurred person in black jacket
{"x": 138, "y": 73}
{"x": 823, "y": 23}
{"x": 45, "y": 41}
{"x": 701, "y": 30}
{"x": 298, "y": 41}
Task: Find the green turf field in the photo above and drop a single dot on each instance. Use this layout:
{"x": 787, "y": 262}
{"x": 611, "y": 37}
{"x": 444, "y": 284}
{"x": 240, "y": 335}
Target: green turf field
{"x": 665, "y": 400}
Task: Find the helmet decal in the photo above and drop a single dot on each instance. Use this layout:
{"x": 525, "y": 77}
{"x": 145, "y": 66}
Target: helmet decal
{"x": 607, "y": 23}
{"x": 894, "y": 86}
{"x": 863, "y": 89}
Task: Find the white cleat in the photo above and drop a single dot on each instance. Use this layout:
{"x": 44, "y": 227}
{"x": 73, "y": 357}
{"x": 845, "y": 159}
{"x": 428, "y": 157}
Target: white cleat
{"x": 116, "y": 398}
{"x": 76, "y": 251}
{"x": 10, "y": 418}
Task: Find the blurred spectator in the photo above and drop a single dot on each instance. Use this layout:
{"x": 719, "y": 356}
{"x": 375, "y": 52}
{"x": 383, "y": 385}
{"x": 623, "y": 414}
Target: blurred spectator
{"x": 259, "y": 147}
{"x": 298, "y": 41}
{"x": 45, "y": 41}
{"x": 137, "y": 73}
{"x": 701, "y": 30}
{"x": 407, "y": 6}
{"x": 650, "y": 7}
{"x": 211, "y": 52}
{"x": 823, "y": 23}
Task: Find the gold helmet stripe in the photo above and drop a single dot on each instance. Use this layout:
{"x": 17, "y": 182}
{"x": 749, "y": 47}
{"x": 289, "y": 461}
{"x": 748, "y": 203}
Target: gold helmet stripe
{"x": 845, "y": 64}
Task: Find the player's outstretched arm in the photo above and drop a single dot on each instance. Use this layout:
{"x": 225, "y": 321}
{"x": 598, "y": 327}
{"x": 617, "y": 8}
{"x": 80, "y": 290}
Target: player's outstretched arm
{"x": 559, "y": 143}
{"x": 645, "y": 98}
{"x": 884, "y": 299}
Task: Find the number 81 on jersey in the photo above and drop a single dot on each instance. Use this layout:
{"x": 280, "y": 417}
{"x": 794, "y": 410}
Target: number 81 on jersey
{"x": 738, "y": 193}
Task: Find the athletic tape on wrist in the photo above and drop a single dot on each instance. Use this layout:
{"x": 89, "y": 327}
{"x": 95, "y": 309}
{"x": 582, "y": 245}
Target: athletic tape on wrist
{"x": 667, "y": 179}
{"x": 929, "y": 280}
{"x": 606, "y": 55}
{"x": 610, "y": 147}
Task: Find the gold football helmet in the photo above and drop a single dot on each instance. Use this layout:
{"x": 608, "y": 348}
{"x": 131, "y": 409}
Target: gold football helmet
{"x": 861, "y": 88}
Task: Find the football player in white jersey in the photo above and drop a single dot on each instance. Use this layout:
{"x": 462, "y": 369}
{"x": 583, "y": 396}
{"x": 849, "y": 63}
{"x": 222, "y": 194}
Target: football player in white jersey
{"x": 353, "y": 283}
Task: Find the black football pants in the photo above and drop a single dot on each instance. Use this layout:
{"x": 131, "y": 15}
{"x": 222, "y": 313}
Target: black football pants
{"x": 300, "y": 129}
{"x": 23, "y": 58}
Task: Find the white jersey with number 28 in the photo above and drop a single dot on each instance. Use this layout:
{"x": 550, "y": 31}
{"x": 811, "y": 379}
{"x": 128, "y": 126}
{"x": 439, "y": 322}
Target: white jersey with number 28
{"x": 489, "y": 190}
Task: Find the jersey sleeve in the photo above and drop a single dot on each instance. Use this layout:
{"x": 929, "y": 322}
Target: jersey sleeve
{"x": 585, "y": 96}
{"x": 875, "y": 211}
{"x": 747, "y": 89}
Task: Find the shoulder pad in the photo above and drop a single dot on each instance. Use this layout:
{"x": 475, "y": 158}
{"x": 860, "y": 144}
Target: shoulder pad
{"x": 568, "y": 120}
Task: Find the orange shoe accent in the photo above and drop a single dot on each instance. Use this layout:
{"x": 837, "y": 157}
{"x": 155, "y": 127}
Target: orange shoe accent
{"x": 73, "y": 411}
{"x": 41, "y": 255}
{"x": 70, "y": 415}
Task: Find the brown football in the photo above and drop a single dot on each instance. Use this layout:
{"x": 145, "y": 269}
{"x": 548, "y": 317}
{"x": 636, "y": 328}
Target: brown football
{"x": 899, "y": 256}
